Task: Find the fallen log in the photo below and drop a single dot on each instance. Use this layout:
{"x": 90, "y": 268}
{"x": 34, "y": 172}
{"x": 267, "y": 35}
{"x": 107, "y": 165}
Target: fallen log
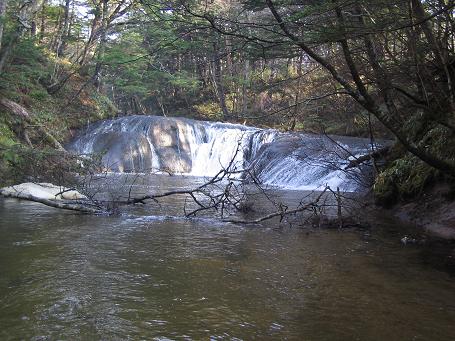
{"x": 66, "y": 205}
{"x": 53, "y": 196}
{"x": 19, "y": 110}
{"x": 371, "y": 156}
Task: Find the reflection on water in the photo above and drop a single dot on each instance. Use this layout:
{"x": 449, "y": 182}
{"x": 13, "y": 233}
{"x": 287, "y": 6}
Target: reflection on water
{"x": 70, "y": 276}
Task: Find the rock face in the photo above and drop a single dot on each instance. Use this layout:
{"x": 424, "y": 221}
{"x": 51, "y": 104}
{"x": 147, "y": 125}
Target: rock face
{"x": 123, "y": 152}
{"x": 41, "y": 190}
{"x": 178, "y": 145}
{"x": 151, "y": 143}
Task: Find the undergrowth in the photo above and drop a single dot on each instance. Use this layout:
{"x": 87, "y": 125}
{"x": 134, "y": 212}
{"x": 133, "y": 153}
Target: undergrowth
{"x": 25, "y": 81}
{"x": 406, "y": 177}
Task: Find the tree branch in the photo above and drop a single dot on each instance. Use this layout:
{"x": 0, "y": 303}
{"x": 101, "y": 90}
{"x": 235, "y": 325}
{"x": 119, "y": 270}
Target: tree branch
{"x": 281, "y": 213}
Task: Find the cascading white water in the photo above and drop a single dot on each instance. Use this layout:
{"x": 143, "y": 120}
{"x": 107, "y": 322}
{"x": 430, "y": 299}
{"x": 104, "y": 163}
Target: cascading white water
{"x": 198, "y": 148}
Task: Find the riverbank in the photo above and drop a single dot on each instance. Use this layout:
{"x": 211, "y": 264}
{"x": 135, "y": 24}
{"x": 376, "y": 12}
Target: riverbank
{"x": 433, "y": 212}
{"x": 417, "y": 193}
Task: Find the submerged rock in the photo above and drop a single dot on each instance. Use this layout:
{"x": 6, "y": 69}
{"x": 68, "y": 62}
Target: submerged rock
{"x": 408, "y": 240}
{"x": 41, "y": 190}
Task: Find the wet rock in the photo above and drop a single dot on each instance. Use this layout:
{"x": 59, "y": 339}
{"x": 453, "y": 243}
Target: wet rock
{"x": 408, "y": 240}
{"x": 179, "y": 145}
{"x": 123, "y": 152}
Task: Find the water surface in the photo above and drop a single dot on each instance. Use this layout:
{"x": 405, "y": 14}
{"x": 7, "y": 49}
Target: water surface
{"x": 141, "y": 276}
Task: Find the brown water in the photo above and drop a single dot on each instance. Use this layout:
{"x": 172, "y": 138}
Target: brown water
{"x": 67, "y": 276}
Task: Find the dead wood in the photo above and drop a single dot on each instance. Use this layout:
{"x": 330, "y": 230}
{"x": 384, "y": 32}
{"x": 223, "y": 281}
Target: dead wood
{"x": 20, "y": 111}
{"x": 371, "y": 156}
{"x": 79, "y": 205}
{"x": 281, "y": 213}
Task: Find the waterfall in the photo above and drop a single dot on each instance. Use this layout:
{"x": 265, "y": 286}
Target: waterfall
{"x": 198, "y": 148}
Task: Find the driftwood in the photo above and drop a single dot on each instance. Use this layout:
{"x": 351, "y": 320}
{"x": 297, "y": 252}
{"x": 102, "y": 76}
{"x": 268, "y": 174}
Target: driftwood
{"x": 217, "y": 194}
{"x": 19, "y": 110}
{"x": 227, "y": 195}
{"x": 53, "y": 196}
{"x": 280, "y": 213}
{"x": 374, "y": 155}
{"x": 80, "y": 205}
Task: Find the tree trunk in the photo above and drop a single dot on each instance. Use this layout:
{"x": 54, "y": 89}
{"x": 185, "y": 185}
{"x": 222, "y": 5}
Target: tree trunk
{"x": 93, "y": 33}
{"x": 7, "y": 49}
{"x": 54, "y": 44}
{"x": 2, "y": 19}
{"x": 65, "y": 28}
{"x": 435, "y": 46}
{"x": 246, "y": 74}
{"x": 298, "y": 91}
{"x": 42, "y": 28}
{"x": 98, "y": 77}
{"x": 218, "y": 79}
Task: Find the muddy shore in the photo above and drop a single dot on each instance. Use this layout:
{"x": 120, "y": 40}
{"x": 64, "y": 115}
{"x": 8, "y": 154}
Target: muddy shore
{"x": 434, "y": 212}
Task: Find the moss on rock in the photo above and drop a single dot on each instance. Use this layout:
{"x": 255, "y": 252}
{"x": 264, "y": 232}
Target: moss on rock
{"x": 403, "y": 179}
{"x": 385, "y": 190}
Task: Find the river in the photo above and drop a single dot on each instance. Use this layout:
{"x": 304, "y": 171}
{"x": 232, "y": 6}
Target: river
{"x": 150, "y": 275}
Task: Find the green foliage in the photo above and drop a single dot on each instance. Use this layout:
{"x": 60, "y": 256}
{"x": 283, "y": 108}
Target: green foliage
{"x": 104, "y": 107}
{"x": 407, "y": 177}
{"x": 7, "y": 137}
{"x": 8, "y": 157}
{"x": 440, "y": 141}
{"x": 19, "y": 163}
{"x": 39, "y": 94}
{"x": 23, "y": 74}
{"x": 210, "y": 110}
{"x": 185, "y": 81}
{"x": 403, "y": 179}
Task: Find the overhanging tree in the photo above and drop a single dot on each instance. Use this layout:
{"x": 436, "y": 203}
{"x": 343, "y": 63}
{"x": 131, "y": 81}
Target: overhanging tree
{"x": 397, "y": 56}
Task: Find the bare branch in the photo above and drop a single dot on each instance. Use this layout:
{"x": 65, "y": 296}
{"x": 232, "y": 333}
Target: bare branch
{"x": 282, "y": 213}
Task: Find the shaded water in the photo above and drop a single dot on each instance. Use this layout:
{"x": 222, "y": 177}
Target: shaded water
{"x": 70, "y": 276}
